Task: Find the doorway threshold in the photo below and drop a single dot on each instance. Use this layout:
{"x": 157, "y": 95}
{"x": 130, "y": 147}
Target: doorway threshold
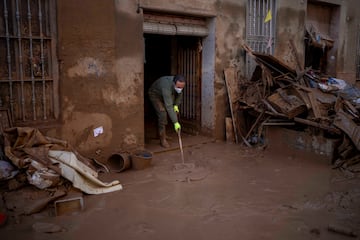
{"x": 153, "y": 145}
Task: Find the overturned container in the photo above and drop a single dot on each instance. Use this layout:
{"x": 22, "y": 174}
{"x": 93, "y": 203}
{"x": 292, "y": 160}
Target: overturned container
{"x": 119, "y": 162}
{"x": 141, "y": 159}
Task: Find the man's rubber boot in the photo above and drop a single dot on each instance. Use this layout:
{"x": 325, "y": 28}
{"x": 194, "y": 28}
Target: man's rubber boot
{"x": 163, "y": 142}
{"x": 166, "y": 136}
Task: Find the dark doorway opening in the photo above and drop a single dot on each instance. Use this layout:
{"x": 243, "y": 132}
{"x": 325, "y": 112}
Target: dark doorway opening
{"x": 321, "y": 37}
{"x": 157, "y": 63}
{"x": 170, "y": 55}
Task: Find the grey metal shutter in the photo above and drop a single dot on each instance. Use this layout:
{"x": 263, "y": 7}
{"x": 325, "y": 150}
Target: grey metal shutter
{"x": 165, "y": 24}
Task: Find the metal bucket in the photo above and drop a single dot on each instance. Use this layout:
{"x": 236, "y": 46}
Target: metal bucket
{"x": 119, "y": 162}
{"x": 141, "y": 159}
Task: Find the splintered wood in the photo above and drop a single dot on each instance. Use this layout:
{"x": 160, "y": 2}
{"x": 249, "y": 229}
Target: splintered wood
{"x": 233, "y": 86}
{"x": 276, "y": 92}
{"x": 233, "y": 94}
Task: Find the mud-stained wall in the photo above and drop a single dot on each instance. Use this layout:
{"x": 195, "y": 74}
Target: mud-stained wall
{"x": 230, "y": 32}
{"x": 101, "y": 53}
{"x": 230, "y": 29}
{"x": 349, "y": 25}
{"x": 344, "y": 23}
{"x": 290, "y": 25}
{"x": 100, "y": 75}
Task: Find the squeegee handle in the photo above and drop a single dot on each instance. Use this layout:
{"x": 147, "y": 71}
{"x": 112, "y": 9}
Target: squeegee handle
{"x": 181, "y": 148}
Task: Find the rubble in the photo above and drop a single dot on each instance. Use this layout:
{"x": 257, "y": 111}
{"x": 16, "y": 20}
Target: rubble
{"x": 48, "y": 161}
{"x": 297, "y": 98}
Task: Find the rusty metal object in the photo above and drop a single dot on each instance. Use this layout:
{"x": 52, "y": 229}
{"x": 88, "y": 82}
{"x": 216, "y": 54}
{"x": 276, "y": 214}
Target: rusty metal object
{"x": 69, "y": 205}
{"x": 119, "y": 162}
{"x": 141, "y": 159}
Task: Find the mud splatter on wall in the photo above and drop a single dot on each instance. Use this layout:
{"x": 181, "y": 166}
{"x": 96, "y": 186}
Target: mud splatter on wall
{"x": 79, "y": 130}
{"x": 87, "y": 66}
{"x": 128, "y": 81}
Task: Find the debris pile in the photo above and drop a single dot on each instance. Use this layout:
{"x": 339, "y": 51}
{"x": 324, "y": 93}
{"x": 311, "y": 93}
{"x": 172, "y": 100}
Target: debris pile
{"x": 36, "y": 170}
{"x": 279, "y": 95}
{"x": 48, "y": 161}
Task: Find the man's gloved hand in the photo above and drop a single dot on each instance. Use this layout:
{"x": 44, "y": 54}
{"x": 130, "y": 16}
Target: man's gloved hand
{"x": 176, "y": 109}
{"x": 177, "y": 126}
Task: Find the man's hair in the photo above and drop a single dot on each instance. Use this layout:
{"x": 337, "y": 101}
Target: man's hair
{"x": 179, "y": 78}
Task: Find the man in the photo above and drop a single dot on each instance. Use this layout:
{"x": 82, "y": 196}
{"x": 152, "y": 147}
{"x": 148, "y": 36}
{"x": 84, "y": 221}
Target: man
{"x": 165, "y": 95}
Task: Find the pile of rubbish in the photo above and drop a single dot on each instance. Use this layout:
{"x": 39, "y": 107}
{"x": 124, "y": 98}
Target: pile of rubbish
{"x": 47, "y": 162}
{"x": 300, "y": 98}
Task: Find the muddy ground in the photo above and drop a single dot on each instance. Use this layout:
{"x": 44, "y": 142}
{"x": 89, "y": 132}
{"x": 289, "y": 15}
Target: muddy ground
{"x": 235, "y": 192}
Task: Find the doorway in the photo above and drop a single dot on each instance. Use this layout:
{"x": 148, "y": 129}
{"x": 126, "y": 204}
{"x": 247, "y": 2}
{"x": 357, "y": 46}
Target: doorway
{"x": 170, "y": 55}
{"x": 321, "y": 37}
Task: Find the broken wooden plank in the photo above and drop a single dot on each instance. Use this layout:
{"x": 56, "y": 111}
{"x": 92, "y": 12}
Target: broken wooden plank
{"x": 290, "y": 105}
{"x": 350, "y": 109}
{"x": 232, "y": 84}
{"x": 255, "y": 124}
{"x": 314, "y": 105}
{"x": 229, "y": 80}
{"x": 345, "y": 123}
{"x": 276, "y": 66}
{"x": 233, "y": 95}
{"x": 318, "y": 125}
{"x": 311, "y": 99}
{"x": 268, "y": 105}
{"x": 230, "y": 137}
{"x": 302, "y": 95}
{"x": 278, "y": 124}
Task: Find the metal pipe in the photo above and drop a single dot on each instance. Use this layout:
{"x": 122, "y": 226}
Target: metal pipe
{"x": 193, "y": 65}
{"x": 271, "y": 27}
{"x": 186, "y": 64}
{"x": 42, "y": 60}
{"x": 8, "y": 56}
{"x": 20, "y": 60}
{"x": 256, "y": 17}
{"x": 31, "y": 58}
{"x": 189, "y": 73}
{"x": 195, "y": 84}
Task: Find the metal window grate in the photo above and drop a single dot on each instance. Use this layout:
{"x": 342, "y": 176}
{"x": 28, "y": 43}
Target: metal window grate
{"x": 188, "y": 63}
{"x": 260, "y": 36}
{"x": 188, "y": 60}
{"x": 358, "y": 55}
{"x": 29, "y": 75}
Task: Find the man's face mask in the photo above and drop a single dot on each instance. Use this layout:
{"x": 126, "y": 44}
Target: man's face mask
{"x": 179, "y": 86}
{"x": 178, "y": 90}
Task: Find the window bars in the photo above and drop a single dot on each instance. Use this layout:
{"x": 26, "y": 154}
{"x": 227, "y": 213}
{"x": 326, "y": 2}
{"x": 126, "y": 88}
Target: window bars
{"x": 358, "y": 55}
{"x": 28, "y": 76}
{"x": 260, "y": 29}
{"x": 189, "y": 62}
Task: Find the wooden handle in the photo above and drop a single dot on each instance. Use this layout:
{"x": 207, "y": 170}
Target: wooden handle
{"x": 181, "y": 148}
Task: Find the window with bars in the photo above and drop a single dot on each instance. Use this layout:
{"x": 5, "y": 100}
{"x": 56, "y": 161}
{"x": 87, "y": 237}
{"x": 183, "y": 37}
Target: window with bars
{"x": 260, "y": 29}
{"x": 29, "y": 71}
{"x": 358, "y": 55}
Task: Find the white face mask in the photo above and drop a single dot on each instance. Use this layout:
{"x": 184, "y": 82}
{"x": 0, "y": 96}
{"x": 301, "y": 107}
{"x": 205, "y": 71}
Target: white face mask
{"x": 178, "y": 90}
